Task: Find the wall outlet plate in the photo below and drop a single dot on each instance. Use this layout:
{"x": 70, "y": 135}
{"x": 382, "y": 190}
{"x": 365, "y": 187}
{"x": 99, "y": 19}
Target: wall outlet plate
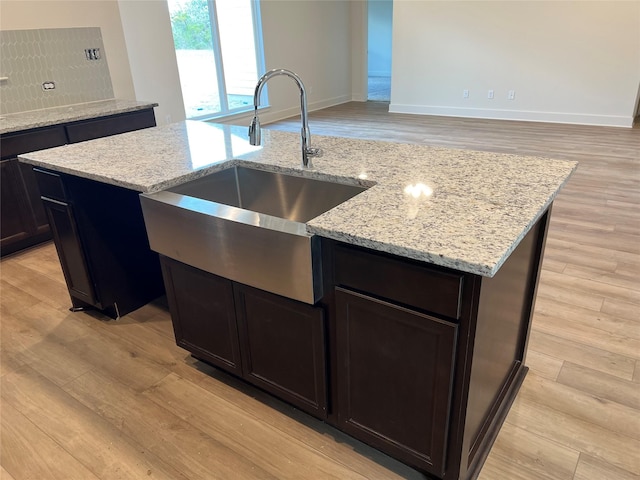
{"x": 92, "y": 53}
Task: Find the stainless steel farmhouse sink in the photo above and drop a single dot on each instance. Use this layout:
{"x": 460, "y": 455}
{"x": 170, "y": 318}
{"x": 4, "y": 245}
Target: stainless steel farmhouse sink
{"x": 246, "y": 225}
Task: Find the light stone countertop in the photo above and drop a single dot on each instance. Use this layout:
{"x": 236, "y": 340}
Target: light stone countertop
{"x": 14, "y": 122}
{"x": 464, "y": 209}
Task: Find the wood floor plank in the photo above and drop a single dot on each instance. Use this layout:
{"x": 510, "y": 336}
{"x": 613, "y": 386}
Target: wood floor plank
{"x": 581, "y": 354}
{"x": 628, "y": 280}
{"x": 590, "y": 468}
{"x": 254, "y": 436}
{"x": 585, "y": 286}
{"x": 553, "y": 265}
{"x": 571, "y": 432}
{"x": 9, "y": 362}
{"x": 151, "y": 346}
{"x": 621, "y": 308}
{"x": 13, "y": 298}
{"x": 543, "y": 365}
{"x": 579, "y": 332}
{"x": 601, "y": 385}
{"x": 599, "y": 411}
{"x": 189, "y": 450}
{"x": 54, "y": 293}
{"x": 561, "y": 253}
{"x": 568, "y": 295}
{"x": 41, "y": 260}
{"x": 100, "y": 447}
{"x": 603, "y": 321}
{"x": 28, "y": 451}
{"x": 4, "y": 475}
{"x": 122, "y": 360}
{"x": 520, "y": 454}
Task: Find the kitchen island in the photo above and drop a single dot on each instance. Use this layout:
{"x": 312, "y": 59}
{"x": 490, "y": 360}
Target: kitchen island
{"x": 418, "y": 345}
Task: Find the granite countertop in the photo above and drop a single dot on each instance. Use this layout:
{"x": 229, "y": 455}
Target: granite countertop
{"x": 461, "y": 209}
{"x": 14, "y": 122}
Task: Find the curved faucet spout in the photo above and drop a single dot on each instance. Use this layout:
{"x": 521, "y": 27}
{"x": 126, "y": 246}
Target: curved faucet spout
{"x": 305, "y": 134}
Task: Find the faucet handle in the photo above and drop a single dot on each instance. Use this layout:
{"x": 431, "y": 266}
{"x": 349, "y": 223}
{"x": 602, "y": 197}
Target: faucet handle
{"x": 314, "y": 152}
{"x": 254, "y": 131}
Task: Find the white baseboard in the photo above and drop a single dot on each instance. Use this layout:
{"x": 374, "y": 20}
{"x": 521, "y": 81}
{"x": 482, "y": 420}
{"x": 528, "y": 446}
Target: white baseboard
{"x": 269, "y": 115}
{"x": 528, "y": 116}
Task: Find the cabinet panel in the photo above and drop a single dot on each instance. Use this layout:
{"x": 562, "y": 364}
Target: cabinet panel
{"x": 283, "y": 347}
{"x": 16, "y": 223}
{"x": 70, "y": 251}
{"x": 203, "y": 315}
{"x": 106, "y": 126}
{"x": 13, "y": 144}
{"x": 37, "y": 208}
{"x": 395, "y": 375}
{"x": 402, "y": 281}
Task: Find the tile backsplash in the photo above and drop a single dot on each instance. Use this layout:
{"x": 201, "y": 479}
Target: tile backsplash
{"x": 52, "y": 67}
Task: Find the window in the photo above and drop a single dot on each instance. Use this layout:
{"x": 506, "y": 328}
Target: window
{"x": 219, "y": 49}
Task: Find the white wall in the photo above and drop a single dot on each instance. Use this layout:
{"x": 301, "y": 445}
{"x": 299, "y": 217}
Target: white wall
{"x": 380, "y": 37}
{"x": 23, "y": 15}
{"x": 152, "y": 56}
{"x": 313, "y": 39}
{"x": 568, "y": 61}
{"x": 359, "y": 84}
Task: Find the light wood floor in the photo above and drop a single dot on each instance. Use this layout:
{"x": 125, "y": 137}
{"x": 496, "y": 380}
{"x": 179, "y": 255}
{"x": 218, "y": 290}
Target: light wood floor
{"x": 85, "y": 398}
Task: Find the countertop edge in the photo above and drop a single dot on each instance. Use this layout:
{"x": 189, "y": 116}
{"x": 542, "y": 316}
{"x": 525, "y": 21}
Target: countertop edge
{"x": 77, "y": 113}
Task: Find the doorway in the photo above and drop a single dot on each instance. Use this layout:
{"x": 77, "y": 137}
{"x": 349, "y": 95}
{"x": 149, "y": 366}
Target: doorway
{"x": 379, "y": 28}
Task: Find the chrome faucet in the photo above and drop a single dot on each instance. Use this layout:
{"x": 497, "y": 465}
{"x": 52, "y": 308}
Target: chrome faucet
{"x": 305, "y": 134}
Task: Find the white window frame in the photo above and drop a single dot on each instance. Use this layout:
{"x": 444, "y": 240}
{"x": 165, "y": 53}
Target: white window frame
{"x": 217, "y": 55}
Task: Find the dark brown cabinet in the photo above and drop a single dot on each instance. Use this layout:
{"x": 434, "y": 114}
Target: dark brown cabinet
{"x": 202, "y": 310}
{"x": 23, "y": 221}
{"x": 421, "y": 362}
{"x": 273, "y": 342}
{"x": 395, "y": 378}
{"x": 70, "y": 252}
{"x": 17, "y": 223}
{"x": 283, "y": 347}
{"x": 101, "y": 242}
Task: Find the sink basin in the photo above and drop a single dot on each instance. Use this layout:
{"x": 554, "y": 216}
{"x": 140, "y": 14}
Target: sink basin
{"x": 247, "y": 225}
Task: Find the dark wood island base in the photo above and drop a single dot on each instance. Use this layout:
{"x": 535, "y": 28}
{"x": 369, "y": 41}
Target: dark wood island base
{"x": 419, "y": 361}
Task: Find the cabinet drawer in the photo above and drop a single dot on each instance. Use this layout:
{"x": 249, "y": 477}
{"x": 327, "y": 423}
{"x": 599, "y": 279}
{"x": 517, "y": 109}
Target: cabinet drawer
{"x": 50, "y": 185}
{"x": 14, "y": 144}
{"x": 405, "y": 282}
{"x": 106, "y": 126}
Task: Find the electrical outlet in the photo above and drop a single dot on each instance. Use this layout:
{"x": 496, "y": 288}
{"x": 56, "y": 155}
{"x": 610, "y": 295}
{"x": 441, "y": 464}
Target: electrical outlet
{"x": 511, "y": 95}
{"x": 465, "y": 93}
{"x": 48, "y": 86}
{"x": 490, "y": 94}
{"x": 92, "y": 53}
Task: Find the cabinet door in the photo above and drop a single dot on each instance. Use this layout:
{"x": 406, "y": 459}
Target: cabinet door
{"x": 70, "y": 252}
{"x": 38, "y": 213}
{"x": 395, "y": 373}
{"x": 283, "y": 347}
{"x": 203, "y": 315}
{"x": 16, "y": 220}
